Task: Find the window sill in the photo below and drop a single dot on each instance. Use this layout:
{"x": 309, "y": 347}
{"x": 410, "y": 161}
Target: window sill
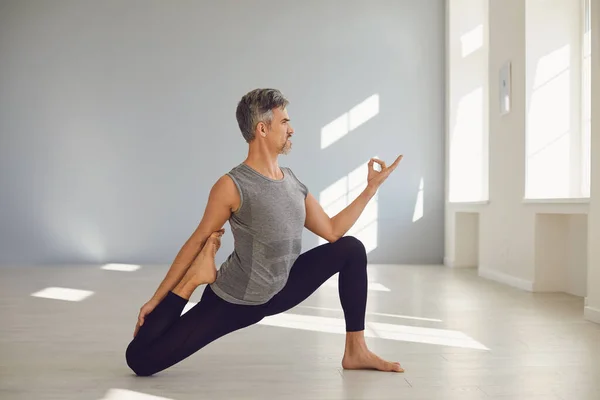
{"x": 582, "y": 200}
{"x": 469, "y": 203}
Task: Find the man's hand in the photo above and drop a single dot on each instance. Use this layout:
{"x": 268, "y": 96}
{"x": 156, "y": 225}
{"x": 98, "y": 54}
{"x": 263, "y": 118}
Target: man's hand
{"x": 376, "y": 178}
{"x": 144, "y": 311}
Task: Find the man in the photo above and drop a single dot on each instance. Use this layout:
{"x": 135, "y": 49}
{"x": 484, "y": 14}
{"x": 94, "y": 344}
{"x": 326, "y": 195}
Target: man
{"x": 267, "y": 207}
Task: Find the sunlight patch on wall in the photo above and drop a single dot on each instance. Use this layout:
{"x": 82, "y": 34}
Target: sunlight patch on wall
{"x": 471, "y": 41}
{"x": 418, "y": 213}
{"x": 363, "y": 112}
{"x": 344, "y": 191}
{"x": 349, "y": 121}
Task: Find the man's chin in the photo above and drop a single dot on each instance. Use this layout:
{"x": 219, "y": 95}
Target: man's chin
{"x": 286, "y": 149}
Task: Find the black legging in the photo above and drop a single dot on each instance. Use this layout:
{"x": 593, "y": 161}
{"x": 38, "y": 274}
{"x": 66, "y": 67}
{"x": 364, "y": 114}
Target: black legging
{"x": 168, "y": 337}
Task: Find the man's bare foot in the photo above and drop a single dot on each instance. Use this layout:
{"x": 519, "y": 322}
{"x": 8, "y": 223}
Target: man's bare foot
{"x": 368, "y": 360}
{"x": 203, "y": 269}
{"x": 358, "y": 356}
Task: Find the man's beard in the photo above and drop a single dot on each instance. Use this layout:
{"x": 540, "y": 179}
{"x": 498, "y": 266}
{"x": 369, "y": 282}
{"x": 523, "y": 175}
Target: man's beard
{"x": 286, "y": 148}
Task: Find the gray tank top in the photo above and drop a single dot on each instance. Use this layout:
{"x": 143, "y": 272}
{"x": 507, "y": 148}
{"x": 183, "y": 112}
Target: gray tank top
{"x": 267, "y": 231}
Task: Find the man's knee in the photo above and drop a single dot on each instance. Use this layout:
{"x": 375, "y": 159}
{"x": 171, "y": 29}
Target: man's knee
{"x": 137, "y": 363}
{"x": 353, "y": 246}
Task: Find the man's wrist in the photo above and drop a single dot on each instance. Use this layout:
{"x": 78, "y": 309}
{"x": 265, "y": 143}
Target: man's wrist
{"x": 156, "y": 299}
{"x": 370, "y": 191}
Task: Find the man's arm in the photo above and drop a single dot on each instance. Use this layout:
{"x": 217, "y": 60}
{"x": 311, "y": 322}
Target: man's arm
{"x": 222, "y": 201}
{"x": 331, "y": 229}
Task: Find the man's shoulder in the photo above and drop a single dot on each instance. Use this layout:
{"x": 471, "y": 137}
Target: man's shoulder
{"x": 225, "y": 182}
{"x": 225, "y": 191}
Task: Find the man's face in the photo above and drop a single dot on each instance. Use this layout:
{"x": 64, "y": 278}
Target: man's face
{"x": 281, "y": 131}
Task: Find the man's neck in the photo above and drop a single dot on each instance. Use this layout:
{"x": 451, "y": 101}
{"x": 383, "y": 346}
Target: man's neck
{"x": 264, "y": 163}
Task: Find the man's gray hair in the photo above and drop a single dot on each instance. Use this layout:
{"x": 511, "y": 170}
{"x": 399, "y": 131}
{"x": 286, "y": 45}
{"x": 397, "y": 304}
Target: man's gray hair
{"x": 257, "y": 106}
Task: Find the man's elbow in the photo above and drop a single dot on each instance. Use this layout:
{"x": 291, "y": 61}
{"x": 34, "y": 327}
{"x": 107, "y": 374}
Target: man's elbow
{"x": 333, "y": 237}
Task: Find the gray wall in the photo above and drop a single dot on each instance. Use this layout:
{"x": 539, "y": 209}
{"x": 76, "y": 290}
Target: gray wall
{"x": 116, "y": 117}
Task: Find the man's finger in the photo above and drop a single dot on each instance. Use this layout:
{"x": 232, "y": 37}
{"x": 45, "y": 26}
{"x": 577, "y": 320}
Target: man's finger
{"x": 395, "y": 164}
{"x": 380, "y": 162}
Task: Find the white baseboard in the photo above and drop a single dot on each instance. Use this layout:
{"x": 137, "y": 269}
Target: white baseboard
{"x": 506, "y": 279}
{"x": 592, "y": 314}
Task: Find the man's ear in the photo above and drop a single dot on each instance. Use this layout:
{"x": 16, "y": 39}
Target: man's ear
{"x": 262, "y": 129}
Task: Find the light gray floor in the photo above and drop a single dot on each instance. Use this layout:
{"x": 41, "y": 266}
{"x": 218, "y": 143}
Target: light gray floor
{"x": 475, "y": 340}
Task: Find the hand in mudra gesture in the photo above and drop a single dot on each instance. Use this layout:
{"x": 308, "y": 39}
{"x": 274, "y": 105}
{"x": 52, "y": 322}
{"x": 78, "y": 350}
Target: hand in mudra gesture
{"x": 376, "y": 178}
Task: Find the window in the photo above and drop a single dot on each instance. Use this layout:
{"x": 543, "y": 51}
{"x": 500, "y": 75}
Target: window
{"x": 586, "y": 124}
{"x": 468, "y": 101}
{"x": 558, "y": 99}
